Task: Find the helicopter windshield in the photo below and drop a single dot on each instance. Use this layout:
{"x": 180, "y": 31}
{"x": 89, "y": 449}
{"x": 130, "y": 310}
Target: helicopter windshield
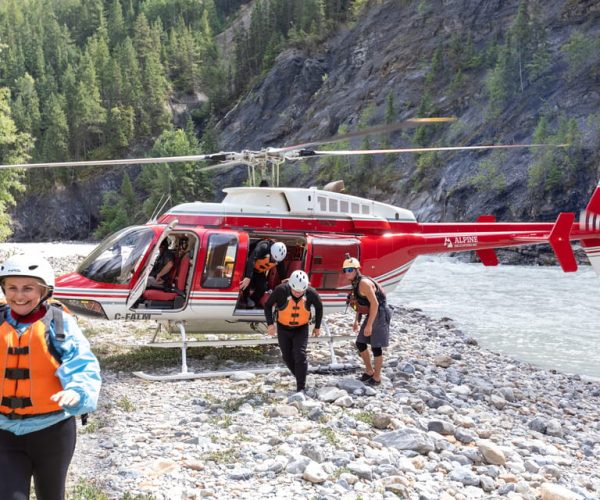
{"x": 115, "y": 259}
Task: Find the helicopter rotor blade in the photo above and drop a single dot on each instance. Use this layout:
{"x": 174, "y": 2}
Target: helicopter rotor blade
{"x": 306, "y": 153}
{"x": 391, "y": 127}
{"x": 132, "y": 161}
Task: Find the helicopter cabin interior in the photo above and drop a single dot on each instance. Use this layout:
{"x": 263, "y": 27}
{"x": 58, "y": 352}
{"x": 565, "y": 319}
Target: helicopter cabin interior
{"x": 218, "y": 268}
{"x": 173, "y": 294}
{"x": 294, "y": 260}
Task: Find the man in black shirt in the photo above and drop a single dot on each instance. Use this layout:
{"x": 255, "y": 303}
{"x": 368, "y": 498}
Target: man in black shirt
{"x": 292, "y": 302}
{"x": 162, "y": 266}
{"x": 266, "y": 255}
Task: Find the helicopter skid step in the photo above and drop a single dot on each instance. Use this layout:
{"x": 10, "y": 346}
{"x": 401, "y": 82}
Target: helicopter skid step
{"x": 247, "y": 341}
{"x": 333, "y": 368}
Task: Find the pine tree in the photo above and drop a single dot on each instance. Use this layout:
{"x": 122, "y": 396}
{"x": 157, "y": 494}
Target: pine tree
{"x": 14, "y": 148}
{"x": 89, "y": 115}
{"x": 118, "y": 209}
{"x": 116, "y": 23}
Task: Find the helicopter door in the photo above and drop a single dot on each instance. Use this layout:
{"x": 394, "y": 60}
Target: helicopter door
{"x": 328, "y": 254}
{"x": 142, "y": 283}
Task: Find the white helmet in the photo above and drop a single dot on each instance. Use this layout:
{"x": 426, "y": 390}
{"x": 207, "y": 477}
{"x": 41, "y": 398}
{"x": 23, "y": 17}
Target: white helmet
{"x": 278, "y": 251}
{"x": 299, "y": 281}
{"x": 33, "y": 266}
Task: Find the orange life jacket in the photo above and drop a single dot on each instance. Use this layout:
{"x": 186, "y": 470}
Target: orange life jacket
{"x": 28, "y": 366}
{"x": 294, "y": 313}
{"x": 264, "y": 264}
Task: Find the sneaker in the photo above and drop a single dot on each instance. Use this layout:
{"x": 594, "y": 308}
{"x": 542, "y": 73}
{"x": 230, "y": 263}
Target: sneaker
{"x": 373, "y": 382}
{"x": 365, "y": 377}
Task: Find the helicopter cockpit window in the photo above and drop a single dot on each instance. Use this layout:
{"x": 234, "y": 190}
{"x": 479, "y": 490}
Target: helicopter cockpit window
{"x": 115, "y": 259}
{"x": 220, "y": 260}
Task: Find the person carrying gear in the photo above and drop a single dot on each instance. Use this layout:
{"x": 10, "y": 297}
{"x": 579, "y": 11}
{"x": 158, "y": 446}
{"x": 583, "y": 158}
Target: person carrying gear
{"x": 292, "y": 302}
{"x": 368, "y": 299}
{"x": 266, "y": 255}
{"x": 48, "y": 375}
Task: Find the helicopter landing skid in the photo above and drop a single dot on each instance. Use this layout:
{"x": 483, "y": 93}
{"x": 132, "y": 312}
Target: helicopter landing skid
{"x": 333, "y": 368}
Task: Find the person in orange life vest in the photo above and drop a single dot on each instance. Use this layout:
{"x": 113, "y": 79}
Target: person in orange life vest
{"x": 369, "y": 299}
{"x": 48, "y": 375}
{"x": 292, "y": 301}
{"x": 266, "y": 255}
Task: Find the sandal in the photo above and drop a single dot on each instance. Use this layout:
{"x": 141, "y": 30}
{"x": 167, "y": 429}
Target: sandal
{"x": 365, "y": 376}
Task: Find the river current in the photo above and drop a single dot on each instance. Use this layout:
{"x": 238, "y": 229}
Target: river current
{"x": 535, "y": 314}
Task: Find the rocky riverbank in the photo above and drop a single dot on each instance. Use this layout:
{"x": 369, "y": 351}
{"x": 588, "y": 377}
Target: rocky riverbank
{"x": 450, "y": 420}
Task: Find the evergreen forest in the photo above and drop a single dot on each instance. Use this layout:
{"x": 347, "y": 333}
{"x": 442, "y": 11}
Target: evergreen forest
{"x": 95, "y": 79}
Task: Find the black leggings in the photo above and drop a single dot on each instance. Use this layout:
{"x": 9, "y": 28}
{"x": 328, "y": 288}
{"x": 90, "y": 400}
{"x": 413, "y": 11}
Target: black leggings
{"x": 293, "y": 342}
{"x": 259, "y": 285}
{"x": 44, "y": 454}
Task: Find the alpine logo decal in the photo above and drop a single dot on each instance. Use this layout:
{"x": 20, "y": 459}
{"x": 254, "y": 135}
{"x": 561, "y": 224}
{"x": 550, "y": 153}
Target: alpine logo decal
{"x": 460, "y": 241}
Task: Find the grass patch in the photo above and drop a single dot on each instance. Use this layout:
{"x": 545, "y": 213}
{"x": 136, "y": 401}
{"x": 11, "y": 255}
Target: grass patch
{"x": 366, "y": 417}
{"x": 329, "y": 434}
{"x": 140, "y": 358}
{"x": 93, "y": 425}
{"x": 145, "y": 358}
{"x": 125, "y": 404}
{"x": 227, "y": 456}
{"x": 87, "y": 490}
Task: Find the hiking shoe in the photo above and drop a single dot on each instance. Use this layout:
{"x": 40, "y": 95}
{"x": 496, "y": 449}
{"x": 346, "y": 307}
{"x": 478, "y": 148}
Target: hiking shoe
{"x": 373, "y": 382}
{"x": 365, "y": 377}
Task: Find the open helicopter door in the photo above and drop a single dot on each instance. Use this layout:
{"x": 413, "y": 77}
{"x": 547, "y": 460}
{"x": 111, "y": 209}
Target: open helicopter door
{"x": 142, "y": 283}
{"x": 327, "y": 255}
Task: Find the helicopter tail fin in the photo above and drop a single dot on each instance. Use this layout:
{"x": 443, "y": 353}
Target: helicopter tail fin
{"x": 559, "y": 241}
{"x": 589, "y": 220}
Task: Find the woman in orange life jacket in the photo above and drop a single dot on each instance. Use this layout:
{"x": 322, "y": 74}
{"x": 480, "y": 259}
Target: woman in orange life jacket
{"x": 48, "y": 375}
{"x": 369, "y": 299}
{"x": 292, "y": 301}
{"x": 266, "y": 255}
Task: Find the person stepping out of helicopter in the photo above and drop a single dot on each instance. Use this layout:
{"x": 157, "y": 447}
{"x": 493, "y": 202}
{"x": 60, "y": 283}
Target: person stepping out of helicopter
{"x": 292, "y": 302}
{"x": 266, "y": 255}
{"x": 368, "y": 300}
{"x": 48, "y": 375}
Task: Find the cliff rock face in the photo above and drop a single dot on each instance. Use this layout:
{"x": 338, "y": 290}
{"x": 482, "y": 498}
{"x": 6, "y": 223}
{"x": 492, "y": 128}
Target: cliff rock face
{"x": 348, "y": 82}
{"x": 389, "y": 51}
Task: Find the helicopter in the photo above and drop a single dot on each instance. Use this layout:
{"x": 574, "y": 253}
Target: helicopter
{"x": 319, "y": 227}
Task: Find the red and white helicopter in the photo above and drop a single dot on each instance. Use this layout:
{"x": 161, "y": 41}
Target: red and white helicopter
{"x": 318, "y": 226}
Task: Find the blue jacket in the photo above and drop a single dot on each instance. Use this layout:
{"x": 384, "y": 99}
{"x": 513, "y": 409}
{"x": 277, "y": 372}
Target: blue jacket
{"x": 79, "y": 371}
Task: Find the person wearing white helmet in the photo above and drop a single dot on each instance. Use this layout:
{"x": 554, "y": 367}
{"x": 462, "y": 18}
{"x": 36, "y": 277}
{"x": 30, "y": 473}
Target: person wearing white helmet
{"x": 290, "y": 306}
{"x": 368, "y": 300}
{"x": 48, "y": 375}
{"x": 265, "y": 255}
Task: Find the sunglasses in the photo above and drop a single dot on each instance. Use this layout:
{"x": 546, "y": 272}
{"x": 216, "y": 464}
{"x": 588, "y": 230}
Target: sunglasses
{"x": 348, "y": 269}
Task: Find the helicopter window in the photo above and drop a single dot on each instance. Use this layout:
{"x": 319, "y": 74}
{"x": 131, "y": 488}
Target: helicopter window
{"x": 114, "y": 259}
{"x": 344, "y": 207}
{"x": 322, "y": 203}
{"x": 355, "y": 208}
{"x": 220, "y": 260}
{"x": 333, "y": 205}
{"x": 365, "y": 209}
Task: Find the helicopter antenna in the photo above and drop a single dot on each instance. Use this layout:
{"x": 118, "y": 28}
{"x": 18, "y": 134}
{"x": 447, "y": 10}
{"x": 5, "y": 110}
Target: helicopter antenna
{"x": 159, "y": 207}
